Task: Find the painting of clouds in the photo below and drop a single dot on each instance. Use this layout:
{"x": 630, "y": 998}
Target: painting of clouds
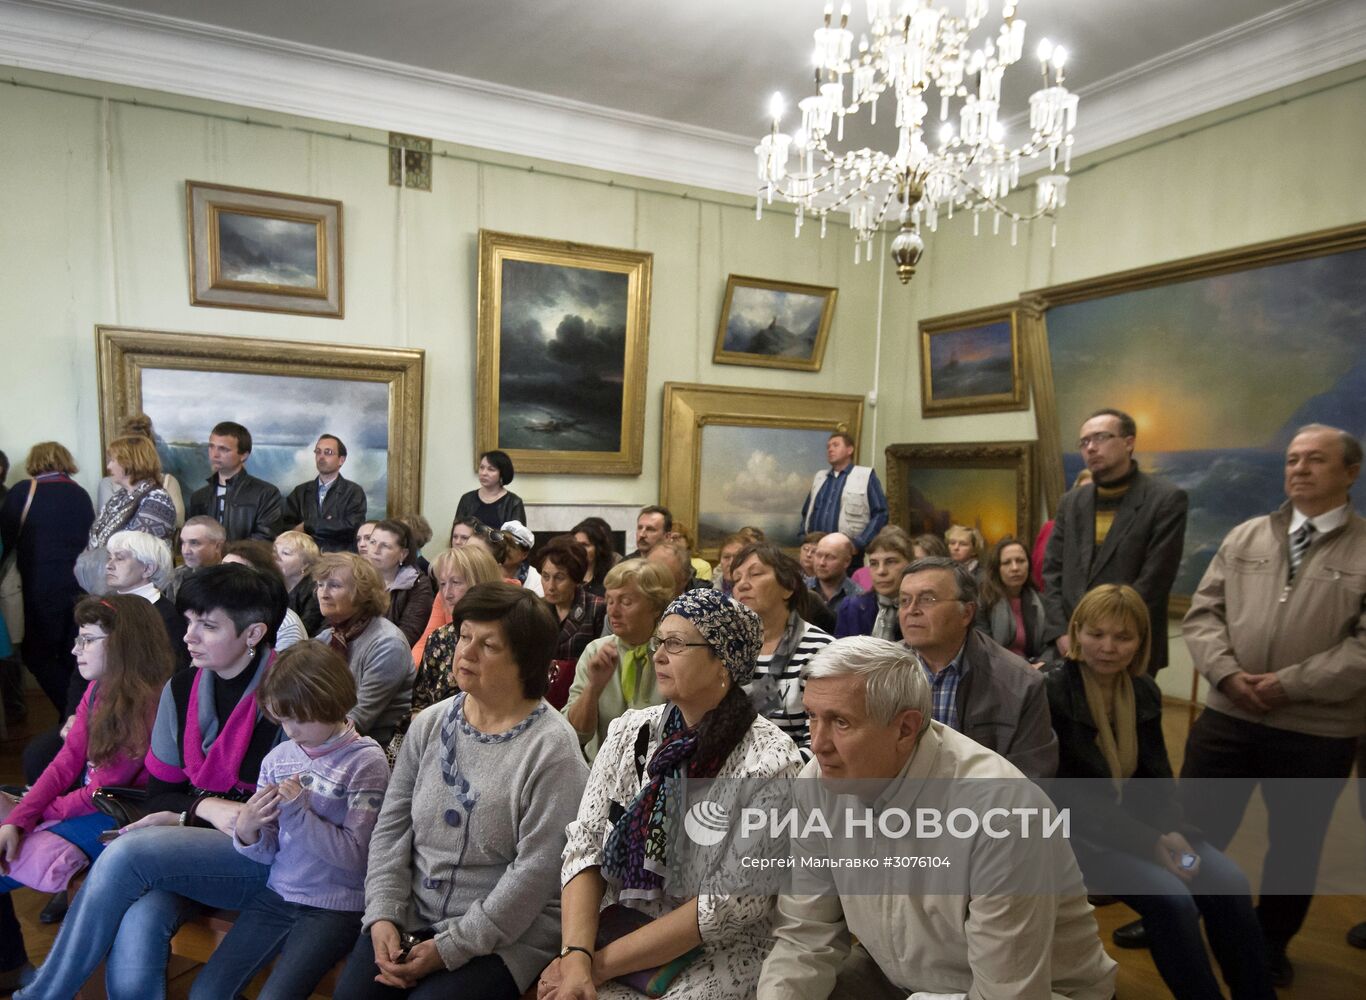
{"x": 756, "y": 476}
{"x": 774, "y": 324}
{"x": 1218, "y": 372}
{"x": 285, "y": 416}
{"x": 260, "y": 250}
{"x": 978, "y": 361}
{"x": 562, "y": 357}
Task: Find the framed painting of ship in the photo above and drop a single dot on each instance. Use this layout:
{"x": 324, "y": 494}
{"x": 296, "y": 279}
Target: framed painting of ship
{"x": 970, "y": 363}
{"x": 774, "y": 324}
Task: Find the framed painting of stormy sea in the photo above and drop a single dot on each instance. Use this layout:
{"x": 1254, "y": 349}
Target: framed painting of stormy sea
{"x": 970, "y": 363}
{"x": 563, "y": 339}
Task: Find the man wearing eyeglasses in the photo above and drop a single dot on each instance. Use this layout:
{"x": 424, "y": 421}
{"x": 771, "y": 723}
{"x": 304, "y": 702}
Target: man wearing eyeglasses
{"x": 1125, "y": 526}
{"x": 330, "y": 508}
{"x": 978, "y": 687}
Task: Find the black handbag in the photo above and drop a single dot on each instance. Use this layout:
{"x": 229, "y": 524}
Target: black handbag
{"x": 124, "y": 805}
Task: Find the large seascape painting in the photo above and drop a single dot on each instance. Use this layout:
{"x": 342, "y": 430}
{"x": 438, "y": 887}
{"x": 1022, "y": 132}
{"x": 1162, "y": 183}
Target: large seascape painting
{"x": 756, "y": 476}
{"x": 1218, "y": 372}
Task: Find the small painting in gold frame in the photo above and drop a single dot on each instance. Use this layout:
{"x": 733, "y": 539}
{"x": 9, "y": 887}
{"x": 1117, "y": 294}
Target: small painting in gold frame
{"x": 774, "y": 324}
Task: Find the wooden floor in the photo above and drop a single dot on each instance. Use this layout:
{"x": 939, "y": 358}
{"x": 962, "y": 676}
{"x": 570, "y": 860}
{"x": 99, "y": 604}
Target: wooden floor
{"x": 1326, "y": 967}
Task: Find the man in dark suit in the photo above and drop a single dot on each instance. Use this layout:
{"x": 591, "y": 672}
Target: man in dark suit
{"x": 245, "y": 506}
{"x": 1123, "y": 527}
{"x": 330, "y": 508}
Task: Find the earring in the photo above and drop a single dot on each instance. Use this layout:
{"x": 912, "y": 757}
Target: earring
{"x": 251, "y": 650}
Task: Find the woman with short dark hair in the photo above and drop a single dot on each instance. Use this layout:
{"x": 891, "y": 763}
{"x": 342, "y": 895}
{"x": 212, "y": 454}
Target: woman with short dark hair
{"x": 461, "y": 897}
{"x": 491, "y": 503}
{"x": 392, "y": 552}
{"x": 581, "y": 615}
{"x": 595, "y": 535}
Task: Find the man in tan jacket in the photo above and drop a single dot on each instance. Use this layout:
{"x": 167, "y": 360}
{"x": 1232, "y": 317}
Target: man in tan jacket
{"x": 871, "y": 733}
{"x": 1278, "y": 628}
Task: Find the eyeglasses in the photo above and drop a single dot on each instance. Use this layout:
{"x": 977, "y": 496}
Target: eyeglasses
{"x": 1098, "y": 438}
{"x": 328, "y": 452}
{"x": 83, "y": 641}
{"x": 925, "y": 601}
{"x": 672, "y": 643}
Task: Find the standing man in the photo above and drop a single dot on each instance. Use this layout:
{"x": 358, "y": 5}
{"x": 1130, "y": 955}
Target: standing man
{"x": 831, "y": 562}
{"x": 1278, "y": 628}
{"x": 245, "y": 506}
{"x": 846, "y": 497}
{"x": 1124, "y": 527}
{"x": 330, "y": 508}
{"x": 652, "y": 525}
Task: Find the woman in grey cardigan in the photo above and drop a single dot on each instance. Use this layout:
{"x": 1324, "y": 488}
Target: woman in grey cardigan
{"x": 352, "y": 598}
{"x": 462, "y": 894}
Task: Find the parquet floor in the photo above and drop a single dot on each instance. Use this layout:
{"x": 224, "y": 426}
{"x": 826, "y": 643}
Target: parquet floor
{"x": 1327, "y": 968}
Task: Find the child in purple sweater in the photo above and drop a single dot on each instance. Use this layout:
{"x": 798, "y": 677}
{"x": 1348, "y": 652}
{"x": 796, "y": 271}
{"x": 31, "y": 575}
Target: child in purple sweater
{"x": 311, "y": 817}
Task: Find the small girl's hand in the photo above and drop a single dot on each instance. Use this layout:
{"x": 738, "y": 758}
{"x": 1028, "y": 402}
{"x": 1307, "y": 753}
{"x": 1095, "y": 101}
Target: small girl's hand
{"x": 262, "y": 808}
{"x": 290, "y": 788}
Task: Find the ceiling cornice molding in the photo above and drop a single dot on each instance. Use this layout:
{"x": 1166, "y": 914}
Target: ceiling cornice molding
{"x": 115, "y": 45}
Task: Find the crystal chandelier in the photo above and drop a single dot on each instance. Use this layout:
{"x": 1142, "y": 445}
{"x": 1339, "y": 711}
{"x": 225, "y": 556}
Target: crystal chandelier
{"x": 917, "y": 50}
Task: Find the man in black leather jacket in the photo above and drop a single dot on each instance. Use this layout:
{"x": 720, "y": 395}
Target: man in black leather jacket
{"x": 247, "y": 507}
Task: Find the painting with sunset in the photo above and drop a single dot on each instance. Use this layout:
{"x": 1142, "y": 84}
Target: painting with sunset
{"x": 1218, "y": 371}
{"x": 984, "y": 486}
{"x": 970, "y": 363}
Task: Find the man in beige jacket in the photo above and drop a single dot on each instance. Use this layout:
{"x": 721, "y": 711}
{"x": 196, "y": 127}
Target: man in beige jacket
{"x": 871, "y": 733}
{"x": 1278, "y": 628}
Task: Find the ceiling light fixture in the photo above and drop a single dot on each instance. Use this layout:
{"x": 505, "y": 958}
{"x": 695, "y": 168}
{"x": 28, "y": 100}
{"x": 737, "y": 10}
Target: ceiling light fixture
{"x": 913, "y": 48}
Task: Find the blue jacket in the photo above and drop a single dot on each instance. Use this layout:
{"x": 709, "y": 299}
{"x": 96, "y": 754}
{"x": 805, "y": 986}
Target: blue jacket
{"x": 856, "y": 615}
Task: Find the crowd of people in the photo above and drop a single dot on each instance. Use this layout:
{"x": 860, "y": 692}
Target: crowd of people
{"x": 462, "y": 777}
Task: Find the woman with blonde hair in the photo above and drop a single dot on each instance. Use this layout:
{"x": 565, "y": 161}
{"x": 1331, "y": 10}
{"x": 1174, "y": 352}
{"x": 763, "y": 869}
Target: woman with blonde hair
{"x": 616, "y": 672}
{"x": 456, "y": 571}
{"x": 1128, "y": 832}
{"x": 44, "y": 526}
{"x": 139, "y": 501}
{"x": 965, "y": 546}
{"x": 296, "y": 553}
{"x": 353, "y": 599}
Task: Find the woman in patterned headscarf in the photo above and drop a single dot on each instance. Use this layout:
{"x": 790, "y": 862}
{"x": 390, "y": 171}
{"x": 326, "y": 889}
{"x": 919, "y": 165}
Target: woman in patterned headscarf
{"x": 659, "y": 929}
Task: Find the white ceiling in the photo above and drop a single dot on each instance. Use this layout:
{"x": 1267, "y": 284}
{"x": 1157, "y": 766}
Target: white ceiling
{"x": 674, "y": 91}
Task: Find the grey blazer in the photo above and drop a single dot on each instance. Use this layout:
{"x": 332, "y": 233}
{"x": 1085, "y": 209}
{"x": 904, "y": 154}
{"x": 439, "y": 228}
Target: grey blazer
{"x": 999, "y": 623}
{"x": 1003, "y": 704}
{"x": 1142, "y": 549}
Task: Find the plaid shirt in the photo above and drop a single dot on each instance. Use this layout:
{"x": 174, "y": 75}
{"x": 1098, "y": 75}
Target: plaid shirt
{"x": 944, "y": 690}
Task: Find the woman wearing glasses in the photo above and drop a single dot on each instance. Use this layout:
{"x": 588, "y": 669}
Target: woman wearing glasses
{"x": 711, "y": 945}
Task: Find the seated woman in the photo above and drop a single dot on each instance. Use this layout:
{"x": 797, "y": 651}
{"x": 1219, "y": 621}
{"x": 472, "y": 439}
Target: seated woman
{"x": 616, "y": 672}
{"x": 392, "y": 552}
{"x": 457, "y": 570}
{"x": 461, "y": 895}
{"x": 295, "y": 554}
{"x": 491, "y": 504}
{"x": 925, "y": 546}
{"x": 207, "y": 744}
{"x": 1011, "y": 610}
{"x": 874, "y": 613}
{"x": 122, "y": 652}
{"x": 1127, "y": 830}
{"x": 258, "y": 555}
{"x": 595, "y": 535}
{"x": 139, "y": 501}
{"x": 769, "y": 583}
{"x": 731, "y": 545}
{"x": 139, "y": 565}
{"x": 704, "y": 653}
{"x": 352, "y": 598}
{"x": 965, "y": 546}
{"x": 463, "y": 529}
{"x": 564, "y": 563}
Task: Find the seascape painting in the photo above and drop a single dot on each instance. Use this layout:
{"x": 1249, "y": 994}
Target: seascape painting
{"x": 285, "y": 415}
{"x": 774, "y": 324}
{"x": 984, "y": 499}
{"x": 562, "y": 351}
{"x": 978, "y": 361}
{"x": 262, "y": 250}
{"x": 756, "y": 476}
{"x": 1218, "y": 372}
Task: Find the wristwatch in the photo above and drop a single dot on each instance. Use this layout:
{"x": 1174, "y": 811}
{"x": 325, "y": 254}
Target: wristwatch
{"x": 567, "y": 949}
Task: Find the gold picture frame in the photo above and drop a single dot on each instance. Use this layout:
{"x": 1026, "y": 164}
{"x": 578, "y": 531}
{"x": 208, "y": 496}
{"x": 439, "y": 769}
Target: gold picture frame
{"x": 690, "y": 410}
{"x": 989, "y": 380}
{"x": 264, "y": 250}
{"x": 569, "y": 399}
{"x": 798, "y": 343}
{"x": 196, "y": 380}
{"x": 984, "y": 485}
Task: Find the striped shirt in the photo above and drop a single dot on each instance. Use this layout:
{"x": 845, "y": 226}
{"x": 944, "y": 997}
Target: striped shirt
{"x": 778, "y": 696}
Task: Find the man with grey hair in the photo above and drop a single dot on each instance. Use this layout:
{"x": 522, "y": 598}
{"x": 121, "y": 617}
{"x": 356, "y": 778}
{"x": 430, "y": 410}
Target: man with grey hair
{"x": 201, "y": 544}
{"x": 834, "y": 553}
{"x": 1278, "y": 628}
{"x": 868, "y": 702}
{"x": 979, "y": 688}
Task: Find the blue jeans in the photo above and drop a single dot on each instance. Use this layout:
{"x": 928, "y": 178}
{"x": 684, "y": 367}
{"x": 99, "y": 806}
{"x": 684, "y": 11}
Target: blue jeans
{"x": 1171, "y": 910}
{"x": 309, "y": 941}
{"x": 142, "y": 888}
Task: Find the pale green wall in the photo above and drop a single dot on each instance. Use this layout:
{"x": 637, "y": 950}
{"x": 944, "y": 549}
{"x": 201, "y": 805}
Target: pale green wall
{"x": 1281, "y": 165}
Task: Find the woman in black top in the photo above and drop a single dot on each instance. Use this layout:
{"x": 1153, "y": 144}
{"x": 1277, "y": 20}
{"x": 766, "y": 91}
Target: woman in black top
{"x": 491, "y": 503}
